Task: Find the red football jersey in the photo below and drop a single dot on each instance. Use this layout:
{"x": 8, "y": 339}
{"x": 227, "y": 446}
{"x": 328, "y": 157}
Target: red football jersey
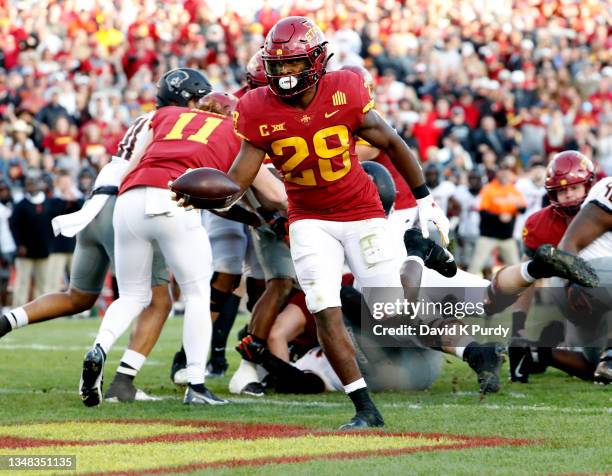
{"x": 242, "y": 91}
{"x": 184, "y": 138}
{"x": 403, "y": 198}
{"x": 314, "y": 148}
{"x": 544, "y": 227}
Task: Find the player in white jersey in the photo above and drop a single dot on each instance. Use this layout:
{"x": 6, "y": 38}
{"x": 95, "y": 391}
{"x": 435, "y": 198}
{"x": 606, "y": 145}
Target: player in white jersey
{"x": 93, "y": 255}
{"x": 590, "y": 235}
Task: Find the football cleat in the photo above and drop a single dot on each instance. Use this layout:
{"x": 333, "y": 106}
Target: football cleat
{"x": 90, "y": 386}
{"x": 216, "y": 367}
{"x": 193, "y": 397}
{"x": 254, "y": 389}
{"x": 603, "y": 372}
{"x": 486, "y": 360}
{"x": 522, "y": 364}
{"x": 364, "y": 419}
{"x": 566, "y": 265}
{"x": 122, "y": 389}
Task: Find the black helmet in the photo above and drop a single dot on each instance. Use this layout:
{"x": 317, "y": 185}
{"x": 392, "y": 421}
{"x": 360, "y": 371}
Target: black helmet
{"x": 179, "y": 86}
{"x": 384, "y": 183}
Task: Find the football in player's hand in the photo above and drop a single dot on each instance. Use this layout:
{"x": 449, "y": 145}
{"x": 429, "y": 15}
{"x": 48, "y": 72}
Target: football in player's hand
{"x": 205, "y": 188}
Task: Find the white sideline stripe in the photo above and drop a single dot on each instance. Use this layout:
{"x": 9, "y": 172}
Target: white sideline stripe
{"x": 45, "y": 347}
{"x": 315, "y": 403}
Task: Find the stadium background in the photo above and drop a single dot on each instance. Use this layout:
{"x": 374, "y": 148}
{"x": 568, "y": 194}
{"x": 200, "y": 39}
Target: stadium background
{"x": 75, "y": 74}
{"x": 541, "y": 69}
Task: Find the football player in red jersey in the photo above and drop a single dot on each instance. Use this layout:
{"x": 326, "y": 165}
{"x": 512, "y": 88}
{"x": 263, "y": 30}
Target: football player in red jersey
{"x": 305, "y": 121}
{"x": 179, "y": 137}
{"x": 569, "y": 178}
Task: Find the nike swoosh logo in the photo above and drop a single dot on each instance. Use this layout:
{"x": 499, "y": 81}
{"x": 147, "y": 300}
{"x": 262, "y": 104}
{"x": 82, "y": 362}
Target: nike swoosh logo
{"x": 330, "y": 114}
{"x": 518, "y": 368}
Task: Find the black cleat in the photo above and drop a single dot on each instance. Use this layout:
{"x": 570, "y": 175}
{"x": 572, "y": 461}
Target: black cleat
{"x": 486, "y": 360}
{"x": 216, "y": 367}
{"x": 566, "y": 265}
{"x": 179, "y": 362}
{"x": 434, "y": 256}
{"x": 364, "y": 419}
{"x": 603, "y": 372}
{"x": 90, "y": 387}
{"x": 122, "y": 390}
{"x": 193, "y": 397}
{"x": 254, "y": 389}
{"x": 521, "y": 360}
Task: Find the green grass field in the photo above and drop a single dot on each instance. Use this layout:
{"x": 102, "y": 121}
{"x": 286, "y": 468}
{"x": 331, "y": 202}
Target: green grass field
{"x": 568, "y": 422}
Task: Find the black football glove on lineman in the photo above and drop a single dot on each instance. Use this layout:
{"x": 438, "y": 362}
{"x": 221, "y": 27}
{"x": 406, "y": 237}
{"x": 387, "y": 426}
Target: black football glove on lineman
{"x": 251, "y": 347}
{"x": 433, "y": 255}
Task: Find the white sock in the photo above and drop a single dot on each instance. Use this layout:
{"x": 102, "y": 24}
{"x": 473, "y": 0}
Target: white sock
{"x": 17, "y": 318}
{"x": 117, "y": 319}
{"x": 525, "y": 274}
{"x": 197, "y": 334}
{"x": 132, "y": 359}
{"x": 356, "y": 385}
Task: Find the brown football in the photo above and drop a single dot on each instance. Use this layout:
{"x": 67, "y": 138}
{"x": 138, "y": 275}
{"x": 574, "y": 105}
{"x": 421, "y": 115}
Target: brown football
{"x": 205, "y": 188}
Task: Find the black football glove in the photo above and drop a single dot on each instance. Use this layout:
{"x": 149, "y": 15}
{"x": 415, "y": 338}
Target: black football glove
{"x": 251, "y": 348}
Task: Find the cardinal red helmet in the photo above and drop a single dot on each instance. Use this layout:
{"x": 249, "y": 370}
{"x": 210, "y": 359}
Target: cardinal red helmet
{"x": 256, "y": 72}
{"x": 292, "y": 41}
{"x": 565, "y": 169}
{"x": 220, "y": 103}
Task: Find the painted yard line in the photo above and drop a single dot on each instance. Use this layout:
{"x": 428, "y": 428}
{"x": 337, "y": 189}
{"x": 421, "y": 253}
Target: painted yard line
{"x": 322, "y": 404}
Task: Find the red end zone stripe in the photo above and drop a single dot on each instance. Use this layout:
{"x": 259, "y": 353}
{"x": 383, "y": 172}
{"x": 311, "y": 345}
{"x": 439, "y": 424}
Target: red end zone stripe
{"x": 230, "y": 430}
{"x": 332, "y": 456}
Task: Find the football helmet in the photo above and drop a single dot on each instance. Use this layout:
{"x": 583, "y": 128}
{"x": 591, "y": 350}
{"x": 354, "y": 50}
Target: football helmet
{"x": 384, "y": 183}
{"x": 219, "y": 103}
{"x": 256, "y": 71}
{"x": 292, "y": 43}
{"x": 178, "y": 86}
{"x": 567, "y": 168}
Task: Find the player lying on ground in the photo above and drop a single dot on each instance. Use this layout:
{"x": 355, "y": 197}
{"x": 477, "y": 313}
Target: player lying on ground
{"x": 428, "y": 265}
{"x": 586, "y": 311}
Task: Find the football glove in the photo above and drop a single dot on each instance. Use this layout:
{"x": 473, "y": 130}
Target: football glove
{"x": 251, "y": 348}
{"x": 430, "y": 211}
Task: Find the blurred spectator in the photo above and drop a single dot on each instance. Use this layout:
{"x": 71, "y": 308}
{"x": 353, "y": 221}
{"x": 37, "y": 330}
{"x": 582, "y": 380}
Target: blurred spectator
{"x": 441, "y": 190}
{"x": 52, "y": 111}
{"x": 465, "y": 203}
{"x": 500, "y": 202}
{"x": 531, "y": 187}
{"x": 493, "y": 138}
{"x": 30, "y": 226}
{"x": 18, "y": 144}
{"x": 62, "y": 247}
{"x": 7, "y": 243}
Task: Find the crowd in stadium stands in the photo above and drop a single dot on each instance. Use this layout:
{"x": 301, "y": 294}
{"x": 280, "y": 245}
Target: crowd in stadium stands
{"x": 483, "y": 90}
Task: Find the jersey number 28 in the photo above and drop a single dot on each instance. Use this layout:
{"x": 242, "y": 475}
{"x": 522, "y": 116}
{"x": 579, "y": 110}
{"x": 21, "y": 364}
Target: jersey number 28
{"x": 323, "y": 151}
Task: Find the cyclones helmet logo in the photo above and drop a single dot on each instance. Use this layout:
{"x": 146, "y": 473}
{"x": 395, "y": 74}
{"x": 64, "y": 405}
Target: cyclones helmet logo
{"x": 174, "y": 80}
